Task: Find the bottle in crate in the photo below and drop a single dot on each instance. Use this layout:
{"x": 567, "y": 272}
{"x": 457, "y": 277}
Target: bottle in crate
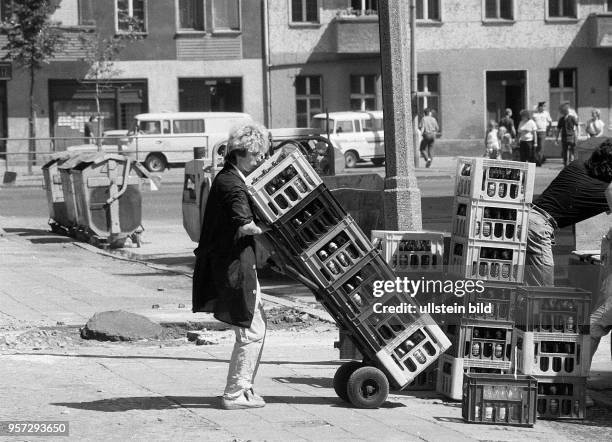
{"x": 553, "y": 309}
{"x": 281, "y": 183}
{"x": 552, "y": 354}
{"x": 411, "y": 252}
{"x": 490, "y": 220}
{"x": 336, "y": 252}
{"x": 450, "y": 375}
{"x": 495, "y": 180}
{"x": 497, "y": 300}
{"x": 487, "y": 260}
{"x": 499, "y": 399}
{"x": 561, "y": 397}
{"x": 482, "y": 343}
{"x": 309, "y": 221}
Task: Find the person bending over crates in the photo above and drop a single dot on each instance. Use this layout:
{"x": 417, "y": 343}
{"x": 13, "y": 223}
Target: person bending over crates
{"x": 582, "y": 190}
{"x": 225, "y": 277}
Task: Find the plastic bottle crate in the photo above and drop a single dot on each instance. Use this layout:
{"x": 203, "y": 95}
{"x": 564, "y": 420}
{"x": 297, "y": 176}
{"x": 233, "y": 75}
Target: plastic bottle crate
{"x": 412, "y": 350}
{"x": 552, "y": 354}
{"x": 561, "y": 397}
{"x": 501, "y": 297}
{"x": 336, "y": 252}
{"x": 409, "y": 252}
{"x": 425, "y": 381}
{"x": 450, "y": 375}
{"x": 487, "y": 260}
{"x": 280, "y": 183}
{"x": 499, "y": 399}
{"x": 308, "y": 221}
{"x": 553, "y": 309}
{"x": 490, "y": 220}
{"x": 481, "y": 343}
{"x": 495, "y": 180}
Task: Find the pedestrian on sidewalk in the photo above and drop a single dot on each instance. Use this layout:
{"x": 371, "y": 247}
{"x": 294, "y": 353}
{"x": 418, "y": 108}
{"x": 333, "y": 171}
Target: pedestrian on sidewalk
{"x": 527, "y": 134}
{"x": 225, "y": 277}
{"x": 567, "y": 127}
{"x": 492, "y": 149}
{"x": 429, "y": 129}
{"x": 595, "y": 127}
{"x": 543, "y": 122}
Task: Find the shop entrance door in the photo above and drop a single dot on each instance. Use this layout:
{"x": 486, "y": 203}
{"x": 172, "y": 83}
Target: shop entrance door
{"x": 505, "y": 89}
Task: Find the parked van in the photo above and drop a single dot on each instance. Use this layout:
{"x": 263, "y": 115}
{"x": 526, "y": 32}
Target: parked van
{"x": 161, "y": 139}
{"x": 359, "y": 135}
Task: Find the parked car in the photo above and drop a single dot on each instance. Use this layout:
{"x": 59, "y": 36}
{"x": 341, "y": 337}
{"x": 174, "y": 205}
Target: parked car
{"x": 112, "y": 141}
{"x": 359, "y": 135}
{"x": 160, "y": 139}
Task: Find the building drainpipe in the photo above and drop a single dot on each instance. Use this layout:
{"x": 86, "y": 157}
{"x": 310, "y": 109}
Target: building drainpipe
{"x": 266, "y": 63}
{"x": 414, "y": 83}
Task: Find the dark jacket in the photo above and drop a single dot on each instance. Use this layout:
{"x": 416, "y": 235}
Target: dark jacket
{"x": 224, "y": 278}
{"x": 567, "y": 126}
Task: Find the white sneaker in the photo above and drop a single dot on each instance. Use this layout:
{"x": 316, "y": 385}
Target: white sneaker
{"x": 246, "y": 400}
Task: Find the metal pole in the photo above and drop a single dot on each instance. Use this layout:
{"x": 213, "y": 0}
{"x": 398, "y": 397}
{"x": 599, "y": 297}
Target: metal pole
{"x": 414, "y": 83}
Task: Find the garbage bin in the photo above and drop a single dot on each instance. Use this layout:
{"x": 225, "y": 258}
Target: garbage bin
{"x": 108, "y": 199}
{"x": 58, "y": 217}
{"x": 65, "y": 168}
{"x": 198, "y": 179}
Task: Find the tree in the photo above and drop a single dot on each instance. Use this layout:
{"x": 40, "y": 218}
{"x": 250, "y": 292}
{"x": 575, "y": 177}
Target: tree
{"x": 100, "y": 55}
{"x": 33, "y": 40}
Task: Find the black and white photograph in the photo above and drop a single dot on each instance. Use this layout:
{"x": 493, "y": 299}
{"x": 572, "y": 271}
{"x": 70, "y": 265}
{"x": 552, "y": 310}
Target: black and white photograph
{"x": 306, "y": 220}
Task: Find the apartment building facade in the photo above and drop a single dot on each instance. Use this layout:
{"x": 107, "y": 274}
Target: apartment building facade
{"x": 475, "y": 58}
{"x": 193, "y": 55}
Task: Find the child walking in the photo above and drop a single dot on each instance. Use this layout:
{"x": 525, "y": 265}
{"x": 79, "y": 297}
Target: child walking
{"x": 492, "y": 148}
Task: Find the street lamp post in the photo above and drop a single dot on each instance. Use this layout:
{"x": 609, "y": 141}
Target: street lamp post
{"x": 402, "y": 197}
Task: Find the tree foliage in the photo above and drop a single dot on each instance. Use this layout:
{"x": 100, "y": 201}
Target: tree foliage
{"x": 32, "y": 38}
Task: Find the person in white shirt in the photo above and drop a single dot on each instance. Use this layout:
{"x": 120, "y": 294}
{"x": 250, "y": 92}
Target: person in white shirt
{"x": 595, "y": 127}
{"x": 542, "y": 119}
{"x": 526, "y": 132}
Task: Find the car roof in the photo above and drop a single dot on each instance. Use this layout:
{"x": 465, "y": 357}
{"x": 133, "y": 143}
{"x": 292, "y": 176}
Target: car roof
{"x": 351, "y": 114}
{"x": 114, "y": 132}
{"x": 190, "y": 115}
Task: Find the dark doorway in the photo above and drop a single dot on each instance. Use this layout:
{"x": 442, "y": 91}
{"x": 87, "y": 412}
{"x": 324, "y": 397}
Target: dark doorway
{"x": 506, "y": 89}
{"x": 210, "y": 94}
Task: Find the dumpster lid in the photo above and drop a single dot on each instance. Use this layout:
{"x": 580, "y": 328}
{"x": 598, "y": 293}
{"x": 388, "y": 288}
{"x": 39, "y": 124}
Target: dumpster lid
{"x": 77, "y": 159}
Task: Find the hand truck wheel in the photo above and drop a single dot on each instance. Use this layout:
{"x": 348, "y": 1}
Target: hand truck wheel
{"x": 367, "y": 387}
{"x": 342, "y": 376}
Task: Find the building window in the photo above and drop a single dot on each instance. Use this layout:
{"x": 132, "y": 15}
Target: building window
{"x": 562, "y": 88}
{"x": 5, "y": 9}
{"x": 226, "y": 15}
{"x": 363, "y": 92}
{"x": 499, "y": 9}
{"x": 428, "y": 10}
{"x": 131, "y": 15}
{"x": 210, "y": 94}
{"x": 191, "y": 14}
{"x": 365, "y": 7}
{"x": 428, "y": 91}
{"x": 562, "y": 9}
{"x": 609, "y": 5}
{"x": 308, "y": 98}
{"x": 86, "y": 13}
{"x": 304, "y": 11}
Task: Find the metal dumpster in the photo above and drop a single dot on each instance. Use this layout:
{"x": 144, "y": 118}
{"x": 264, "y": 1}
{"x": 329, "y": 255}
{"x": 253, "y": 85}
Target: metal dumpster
{"x": 108, "y": 199}
{"x": 58, "y": 217}
{"x": 65, "y": 168}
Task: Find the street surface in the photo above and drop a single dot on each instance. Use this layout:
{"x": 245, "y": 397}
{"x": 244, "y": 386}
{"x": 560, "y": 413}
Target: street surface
{"x": 168, "y": 389}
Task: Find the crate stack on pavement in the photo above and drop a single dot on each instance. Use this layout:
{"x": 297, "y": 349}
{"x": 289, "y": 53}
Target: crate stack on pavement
{"x": 488, "y": 243}
{"x": 416, "y": 255}
{"x": 552, "y": 344}
{"x": 328, "y": 252}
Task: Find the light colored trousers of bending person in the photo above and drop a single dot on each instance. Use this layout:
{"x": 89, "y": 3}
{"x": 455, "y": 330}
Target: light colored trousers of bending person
{"x": 539, "y": 263}
{"x": 247, "y": 353}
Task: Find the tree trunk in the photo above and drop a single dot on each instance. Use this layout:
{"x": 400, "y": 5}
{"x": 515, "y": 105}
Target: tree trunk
{"x": 31, "y": 157}
{"x": 99, "y": 129}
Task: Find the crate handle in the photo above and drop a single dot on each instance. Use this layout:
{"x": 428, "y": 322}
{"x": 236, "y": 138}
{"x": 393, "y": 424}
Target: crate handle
{"x": 301, "y": 278}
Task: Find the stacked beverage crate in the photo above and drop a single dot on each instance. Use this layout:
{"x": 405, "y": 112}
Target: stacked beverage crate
{"x": 415, "y": 255}
{"x": 488, "y": 243}
{"x": 332, "y": 256}
{"x": 552, "y": 344}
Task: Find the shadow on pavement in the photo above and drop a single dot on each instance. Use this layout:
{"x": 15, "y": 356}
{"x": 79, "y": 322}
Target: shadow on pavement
{"x": 122, "y": 404}
{"x": 29, "y": 232}
{"x": 180, "y": 358}
{"x": 310, "y": 381}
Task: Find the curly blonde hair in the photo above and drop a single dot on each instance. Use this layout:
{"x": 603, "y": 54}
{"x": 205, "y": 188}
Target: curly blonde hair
{"x": 247, "y": 137}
